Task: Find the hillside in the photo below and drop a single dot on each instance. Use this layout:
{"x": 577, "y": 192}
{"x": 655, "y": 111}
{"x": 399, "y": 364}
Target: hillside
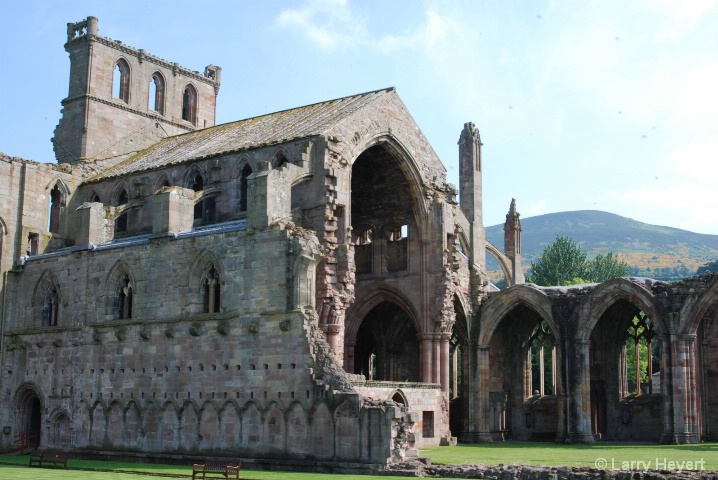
{"x": 663, "y": 253}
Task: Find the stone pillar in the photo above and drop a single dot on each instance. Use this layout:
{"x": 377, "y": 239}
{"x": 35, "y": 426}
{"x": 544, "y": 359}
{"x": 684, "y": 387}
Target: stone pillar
{"x": 436, "y": 360}
{"x": 91, "y": 228}
{"x": 481, "y": 431}
{"x": 685, "y": 419}
{"x": 426, "y": 353}
{"x": 445, "y": 359}
{"x": 172, "y": 210}
{"x": 333, "y": 337}
{"x": 578, "y": 387}
{"x": 667, "y": 389}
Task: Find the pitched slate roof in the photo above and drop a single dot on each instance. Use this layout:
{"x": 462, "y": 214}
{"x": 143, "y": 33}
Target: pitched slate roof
{"x": 279, "y": 127}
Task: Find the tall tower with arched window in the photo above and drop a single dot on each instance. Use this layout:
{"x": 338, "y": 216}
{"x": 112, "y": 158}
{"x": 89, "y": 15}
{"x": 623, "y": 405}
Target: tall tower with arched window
{"x": 122, "y": 99}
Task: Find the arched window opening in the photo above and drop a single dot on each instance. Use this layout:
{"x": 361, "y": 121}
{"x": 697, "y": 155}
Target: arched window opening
{"x": 189, "y": 105}
{"x": 244, "y": 188}
{"x": 125, "y": 295}
{"x": 156, "y": 99}
{"x": 363, "y": 252}
{"x": 33, "y": 244}
{"x": 198, "y": 183}
{"x": 280, "y": 160}
{"x": 123, "y": 198}
{"x": 121, "y": 81}
{"x": 121, "y": 223}
{"x": 397, "y": 249}
{"x": 57, "y": 207}
{"x": 211, "y": 290}
{"x": 50, "y": 307}
{"x": 95, "y": 198}
{"x": 641, "y": 356}
{"x": 542, "y": 355}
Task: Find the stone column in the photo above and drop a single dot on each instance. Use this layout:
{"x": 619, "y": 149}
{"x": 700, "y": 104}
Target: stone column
{"x": 482, "y": 430}
{"x": 578, "y": 388}
{"x": 426, "y": 353}
{"x": 685, "y": 419}
{"x": 332, "y": 331}
{"x": 436, "y": 360}
{"x": 445, "y": 359}
{"x": 667, "y": 389}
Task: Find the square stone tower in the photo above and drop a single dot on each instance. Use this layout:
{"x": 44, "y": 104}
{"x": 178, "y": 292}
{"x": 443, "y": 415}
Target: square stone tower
{"x": 122, "y": 100}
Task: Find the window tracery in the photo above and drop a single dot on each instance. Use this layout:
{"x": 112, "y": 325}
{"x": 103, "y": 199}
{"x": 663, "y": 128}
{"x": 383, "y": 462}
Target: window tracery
{"x": 50, "y": 307}
{"x": 125, "y": 296}
{"x": 640, "y": 356}
{"x": 211, "y": 290}
{"x": 542, "y": 358}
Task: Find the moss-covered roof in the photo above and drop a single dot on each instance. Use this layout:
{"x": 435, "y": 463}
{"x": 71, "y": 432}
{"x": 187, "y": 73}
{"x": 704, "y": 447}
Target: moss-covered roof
{"x": 279, "y": 127}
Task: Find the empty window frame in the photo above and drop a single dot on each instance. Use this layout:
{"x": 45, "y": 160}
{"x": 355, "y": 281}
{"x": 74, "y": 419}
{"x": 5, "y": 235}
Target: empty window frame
{"x": 156, "y": 100}
{"x": 244, "y": 188}
{"x": 640, "y": 356}
{"x": 50, "y": 307}
{"x": 211, "y": 290}
{"x": 121, "y": 81}
{"x": 125, "y": 296}
{"x": 542, "y": 359}
{"x": 189, "y": 105}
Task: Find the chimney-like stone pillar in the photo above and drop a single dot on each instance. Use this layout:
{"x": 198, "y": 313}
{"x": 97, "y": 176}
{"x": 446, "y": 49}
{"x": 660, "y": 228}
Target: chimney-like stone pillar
{"x": 172, "y": 210}
{"x": 91, "y": 228}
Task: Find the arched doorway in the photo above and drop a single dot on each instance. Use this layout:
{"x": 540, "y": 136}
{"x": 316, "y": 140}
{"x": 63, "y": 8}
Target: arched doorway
{"x": 386, "y": 345}
{"x": 29, "y": 417}
{"x": 458, "y": 367}
{"x": 624, "y": 359}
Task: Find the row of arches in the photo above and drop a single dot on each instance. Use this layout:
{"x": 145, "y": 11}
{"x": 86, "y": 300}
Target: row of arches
{"x": 156, "y": 92}
{"x": 616, "y": 351}
{"x": 319, "y": 430}
{"x": 120, "y": 294}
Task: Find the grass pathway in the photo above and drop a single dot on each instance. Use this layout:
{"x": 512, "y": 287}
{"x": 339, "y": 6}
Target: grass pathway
{"x": 602, "y": 455}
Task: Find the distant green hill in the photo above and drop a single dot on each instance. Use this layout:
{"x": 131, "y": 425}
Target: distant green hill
{"x": 663, "y": 253}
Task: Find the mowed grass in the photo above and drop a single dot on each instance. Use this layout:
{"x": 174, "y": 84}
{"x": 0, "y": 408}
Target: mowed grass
{"x": 552, "y": 454}
{"x": 603, "y": 455}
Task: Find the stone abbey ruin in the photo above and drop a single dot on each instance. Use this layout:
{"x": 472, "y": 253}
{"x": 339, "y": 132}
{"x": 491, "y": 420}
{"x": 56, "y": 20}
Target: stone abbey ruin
{"x": 304, "y": 285}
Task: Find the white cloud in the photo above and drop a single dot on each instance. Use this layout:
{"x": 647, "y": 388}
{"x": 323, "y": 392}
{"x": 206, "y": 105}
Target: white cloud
{"x": 536, "y": 208}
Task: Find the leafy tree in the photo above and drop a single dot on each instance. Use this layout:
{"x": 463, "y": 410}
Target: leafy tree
{"x": 564, "y": 263}
{"x": 710, "y": 267}
{"x": 605, "y": 267}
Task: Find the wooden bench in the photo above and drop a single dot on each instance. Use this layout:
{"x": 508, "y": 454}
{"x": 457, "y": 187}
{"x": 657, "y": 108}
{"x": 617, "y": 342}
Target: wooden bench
{"x": 216, "y": 468}
{"x": 48, "y": 459}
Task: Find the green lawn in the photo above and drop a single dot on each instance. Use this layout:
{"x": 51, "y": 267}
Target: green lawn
{"x": 15, "y": 467}
{"x": 531, "y": 453}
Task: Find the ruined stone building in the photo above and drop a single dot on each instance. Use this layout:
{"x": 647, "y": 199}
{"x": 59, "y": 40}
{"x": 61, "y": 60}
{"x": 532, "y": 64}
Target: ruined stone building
{"x": 304, "y": 285}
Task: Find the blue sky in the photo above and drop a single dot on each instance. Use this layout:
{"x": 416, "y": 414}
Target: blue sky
{"x": 607, "y": 105}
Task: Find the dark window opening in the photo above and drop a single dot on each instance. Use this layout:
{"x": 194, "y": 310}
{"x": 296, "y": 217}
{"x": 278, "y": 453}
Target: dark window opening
{"x": 280, "y": 160}
{"x": 205, "y": 210}
{"x": 397, "y": 249}
{"x": 121, "y": 81}
{"x": 95, "y": 198}
{"x": 125, "y": 299}
{"x": 50, "y": 307}
{"x": 121, "y": 223}
{"x": 198, "y": 183}
{"x": 33, "y": 244}
{"x": 123, "y": 198}
{"x": 211, "y": 290}
{"x": 542, "y": 355}
{"x": 243, "y": 188}
{"x": 189, "y": 105}
{"x": 427, "y": 421}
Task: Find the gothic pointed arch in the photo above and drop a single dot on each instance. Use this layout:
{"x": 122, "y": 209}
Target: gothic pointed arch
{"x": 695, "y": 309}
{"x": 46, "y": 301}
{"x": 162, "y": 180}
{"x": 280, "y": 158}
{"x": 29, "y": 404}
{"x": 121, "y": 80}
{"x": 206, "y": 280}
{"x": 189, "y": 104}
{"x": 600, "y": 299}
{"x": 503, "y": 262}
{"x": 499, "y": 305}
{"x": 370, "y": 298}
{"x": 390, "y": 147}
{"x": 244, "y": 174}
{"x": 92, "y": 196}
{"x": 156, "y": 100}
{"x": 120, "y": 292}
{"x": 59, "y": 193}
